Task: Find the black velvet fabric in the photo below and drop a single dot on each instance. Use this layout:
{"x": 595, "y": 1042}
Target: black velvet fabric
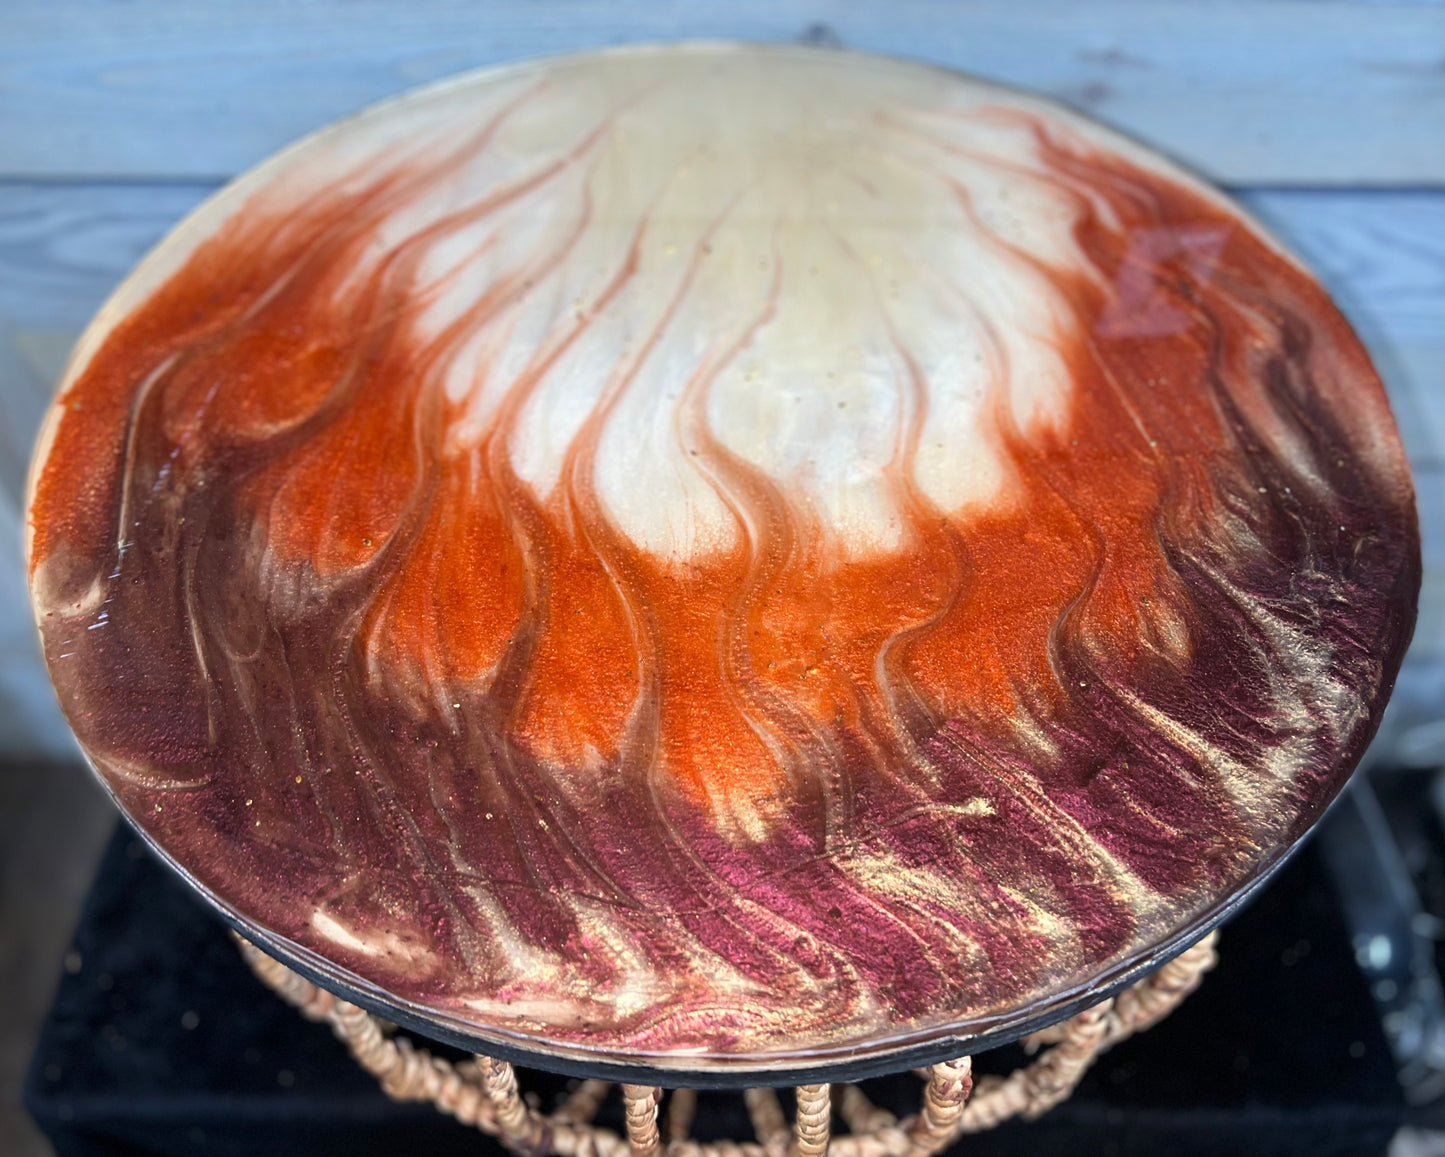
{"x": 161, "y": 1042}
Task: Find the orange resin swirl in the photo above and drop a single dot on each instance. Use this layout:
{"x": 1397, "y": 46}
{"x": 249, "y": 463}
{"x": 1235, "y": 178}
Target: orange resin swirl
{"x": 715, "y": 556}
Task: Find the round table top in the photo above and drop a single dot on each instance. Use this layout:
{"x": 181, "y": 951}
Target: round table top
{"x": 722, "y": 560}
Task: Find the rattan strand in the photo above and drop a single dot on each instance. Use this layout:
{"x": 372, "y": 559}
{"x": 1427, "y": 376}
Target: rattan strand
{"x": 813, "y": 1120}
{"x": 639, "y": 1104}
{"x": 769, "y": 1125}
{"x": 483, "y": 1093}
{"x": 681, "y": 1109}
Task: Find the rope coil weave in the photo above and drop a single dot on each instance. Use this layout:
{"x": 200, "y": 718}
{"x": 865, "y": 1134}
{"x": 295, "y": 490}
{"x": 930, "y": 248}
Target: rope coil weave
{"x": 483, "y": 1093}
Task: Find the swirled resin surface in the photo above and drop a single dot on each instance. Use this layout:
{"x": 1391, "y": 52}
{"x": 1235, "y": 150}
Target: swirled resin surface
{"x": 714, "y": 555}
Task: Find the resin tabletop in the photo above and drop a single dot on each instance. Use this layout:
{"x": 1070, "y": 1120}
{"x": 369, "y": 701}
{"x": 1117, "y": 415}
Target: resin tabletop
{"x": 720, "y": 559}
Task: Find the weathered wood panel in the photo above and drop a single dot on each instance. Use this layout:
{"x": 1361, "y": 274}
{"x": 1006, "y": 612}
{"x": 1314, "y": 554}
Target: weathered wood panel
{"x": 1249, "y": 91}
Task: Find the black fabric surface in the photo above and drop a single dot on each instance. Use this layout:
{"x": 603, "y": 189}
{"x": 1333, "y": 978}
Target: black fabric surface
{"x": 161, "y": 1042}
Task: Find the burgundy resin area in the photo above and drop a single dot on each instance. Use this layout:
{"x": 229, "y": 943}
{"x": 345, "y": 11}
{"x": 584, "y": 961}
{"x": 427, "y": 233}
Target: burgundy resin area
{"x": 722, "y": 559}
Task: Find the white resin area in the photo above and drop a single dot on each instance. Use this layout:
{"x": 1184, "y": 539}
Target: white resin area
{"x": 839, "y": 272}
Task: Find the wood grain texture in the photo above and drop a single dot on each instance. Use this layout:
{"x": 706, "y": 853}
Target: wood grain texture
{"x": 1267, "y": 91}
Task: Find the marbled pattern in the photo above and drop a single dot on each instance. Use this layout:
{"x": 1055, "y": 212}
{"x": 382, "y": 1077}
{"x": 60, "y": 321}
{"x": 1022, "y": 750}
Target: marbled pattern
{"x": 718, "y": 555}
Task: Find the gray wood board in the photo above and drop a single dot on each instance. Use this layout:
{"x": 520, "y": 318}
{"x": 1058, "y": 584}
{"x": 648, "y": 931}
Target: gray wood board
{"x": 1248, "y": 91}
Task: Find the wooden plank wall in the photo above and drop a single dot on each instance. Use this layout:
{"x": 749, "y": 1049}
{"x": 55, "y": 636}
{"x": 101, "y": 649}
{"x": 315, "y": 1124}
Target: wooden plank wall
{"x": 1327, "y": 117}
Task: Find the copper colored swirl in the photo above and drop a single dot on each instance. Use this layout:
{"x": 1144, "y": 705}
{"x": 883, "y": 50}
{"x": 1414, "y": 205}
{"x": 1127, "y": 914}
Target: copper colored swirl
{"x": 703, "y": 556}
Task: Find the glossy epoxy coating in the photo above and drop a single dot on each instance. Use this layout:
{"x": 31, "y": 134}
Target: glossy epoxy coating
{"x": 701, "y": 557}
